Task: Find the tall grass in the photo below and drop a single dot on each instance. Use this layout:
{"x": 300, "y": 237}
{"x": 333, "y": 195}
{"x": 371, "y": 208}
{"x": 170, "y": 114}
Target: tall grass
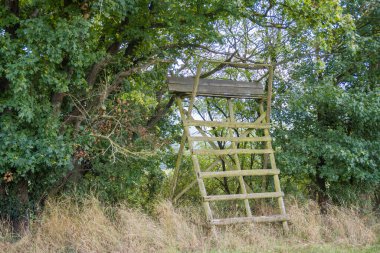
{"x": 87, "y": 226}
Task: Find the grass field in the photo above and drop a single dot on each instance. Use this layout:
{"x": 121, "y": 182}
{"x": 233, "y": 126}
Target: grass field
{"x": 69, "y": 226}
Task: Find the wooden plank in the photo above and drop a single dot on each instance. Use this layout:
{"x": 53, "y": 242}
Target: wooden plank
{"x": 216, "y": 88}
{"x": 235, "y": 220}
{"x": 225, "y": 124}
{"x": 236, "y": 173}
{"x": 214, "y": 82}
{"x": 260, "y": 195}
{"x": 230, "y": 151}
{"x": 232, "y": 139}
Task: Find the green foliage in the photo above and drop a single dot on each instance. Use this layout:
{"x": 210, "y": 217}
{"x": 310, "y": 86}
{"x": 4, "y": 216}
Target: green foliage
{"x": 346, "y": 140}
{"x": 328, "y": 139}
{"x": 70, "y": 92}
{"x": 83, "y": 93}
{"x": 135, "y": 180}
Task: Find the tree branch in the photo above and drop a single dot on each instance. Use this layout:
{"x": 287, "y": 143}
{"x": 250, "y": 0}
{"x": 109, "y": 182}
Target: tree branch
{"x": 160, "y": 112}
{"x": 219, "y": 67}
{"x": 96, "y": 68}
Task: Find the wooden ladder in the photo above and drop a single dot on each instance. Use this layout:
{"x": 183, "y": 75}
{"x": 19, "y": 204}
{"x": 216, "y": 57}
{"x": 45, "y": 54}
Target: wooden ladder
{"x": 230, "y": 155}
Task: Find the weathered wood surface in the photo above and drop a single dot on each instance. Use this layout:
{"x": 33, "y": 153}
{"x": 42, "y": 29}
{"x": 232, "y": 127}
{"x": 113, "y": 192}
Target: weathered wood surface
{"x": 225, "y": 124}
{"x": 227, "y": 221}
{"x": 234, "y": 139}
{"x": 259, "y": 195}
{"x": 229, "y": 89}
{"x": 236, "y": 173}
{"x": 230, "y": 151}
{"x": 216, "y": 88}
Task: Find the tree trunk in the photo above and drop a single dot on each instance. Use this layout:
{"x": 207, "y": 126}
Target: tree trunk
{"x": 20, "y": 217}
{"x": 321, "y": 193}
{"x": 376, "y": 206}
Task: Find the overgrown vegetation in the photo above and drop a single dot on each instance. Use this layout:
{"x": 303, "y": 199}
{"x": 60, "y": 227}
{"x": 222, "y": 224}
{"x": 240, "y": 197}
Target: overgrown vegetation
{"x": 84, "y": 107}
{"x": 68, "y": 225}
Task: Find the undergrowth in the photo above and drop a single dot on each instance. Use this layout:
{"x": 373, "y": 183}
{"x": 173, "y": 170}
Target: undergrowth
{"x": 87, "y": 226}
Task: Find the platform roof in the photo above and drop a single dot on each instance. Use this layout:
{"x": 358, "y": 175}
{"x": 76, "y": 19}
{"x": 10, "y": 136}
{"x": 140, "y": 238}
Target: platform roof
{"x": 216, "y": 88}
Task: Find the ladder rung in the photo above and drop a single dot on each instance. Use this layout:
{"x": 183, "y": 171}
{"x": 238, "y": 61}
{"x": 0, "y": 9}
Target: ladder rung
{"x": 235, "y": 139}
{"x": 230, "y": 151}
{"x": 260, "y": 195}
{"x": 235, "y": 173}
{"x": 225, "y": 124}
{"x": 227, "y": 221}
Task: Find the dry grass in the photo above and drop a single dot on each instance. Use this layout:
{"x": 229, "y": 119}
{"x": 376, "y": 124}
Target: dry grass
{"x": 67, "y": 226}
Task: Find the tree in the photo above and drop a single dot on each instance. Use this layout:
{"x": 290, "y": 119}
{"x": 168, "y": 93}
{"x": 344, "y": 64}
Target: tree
{"x": 329, "y": 138}
{"x": 63, "y": 70}
{"x": 81, "y": 80}
{"x": 326, "y": 92}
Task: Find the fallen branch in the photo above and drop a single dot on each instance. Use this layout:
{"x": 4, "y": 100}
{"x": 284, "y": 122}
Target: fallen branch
{"x": 118, "y": 149}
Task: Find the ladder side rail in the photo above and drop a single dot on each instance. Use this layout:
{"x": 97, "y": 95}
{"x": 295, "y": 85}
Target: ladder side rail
{"x": 195, "y": 161}
{"x": 276, "y": 179}
{"x": 266, "y": 134}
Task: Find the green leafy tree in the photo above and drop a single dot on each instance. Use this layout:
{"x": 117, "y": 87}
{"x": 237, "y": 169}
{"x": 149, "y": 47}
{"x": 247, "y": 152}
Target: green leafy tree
{"x": 82, "y": 82}
{"x": 326, "y": 92}
{"x": 64, "y": 68}
{"x": 329, "y": 115}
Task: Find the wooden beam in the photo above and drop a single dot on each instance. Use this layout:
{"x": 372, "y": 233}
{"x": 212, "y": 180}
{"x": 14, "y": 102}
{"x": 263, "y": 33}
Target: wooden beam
{"x": 225, "y": 124}
{"x": 260, "y": 195}
{"x": 227, "y": 221}
{"x": 216, "y": 88}
{"x": 230, "y": 151}
{"x": 232, "y": 139}
{"x": 236, "y": 173}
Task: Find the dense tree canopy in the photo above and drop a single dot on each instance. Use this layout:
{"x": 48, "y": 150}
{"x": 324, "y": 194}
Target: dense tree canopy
{"x": 82, "y": 91}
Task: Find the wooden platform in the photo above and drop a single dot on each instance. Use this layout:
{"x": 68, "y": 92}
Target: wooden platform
{"x": 216, "y": 88}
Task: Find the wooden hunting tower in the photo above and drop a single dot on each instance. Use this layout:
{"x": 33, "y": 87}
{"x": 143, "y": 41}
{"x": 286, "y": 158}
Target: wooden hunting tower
{"x": 227, "y": 140}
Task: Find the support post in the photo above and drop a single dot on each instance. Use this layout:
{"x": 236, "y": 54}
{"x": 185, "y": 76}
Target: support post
{"x": 177, "y": 165}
